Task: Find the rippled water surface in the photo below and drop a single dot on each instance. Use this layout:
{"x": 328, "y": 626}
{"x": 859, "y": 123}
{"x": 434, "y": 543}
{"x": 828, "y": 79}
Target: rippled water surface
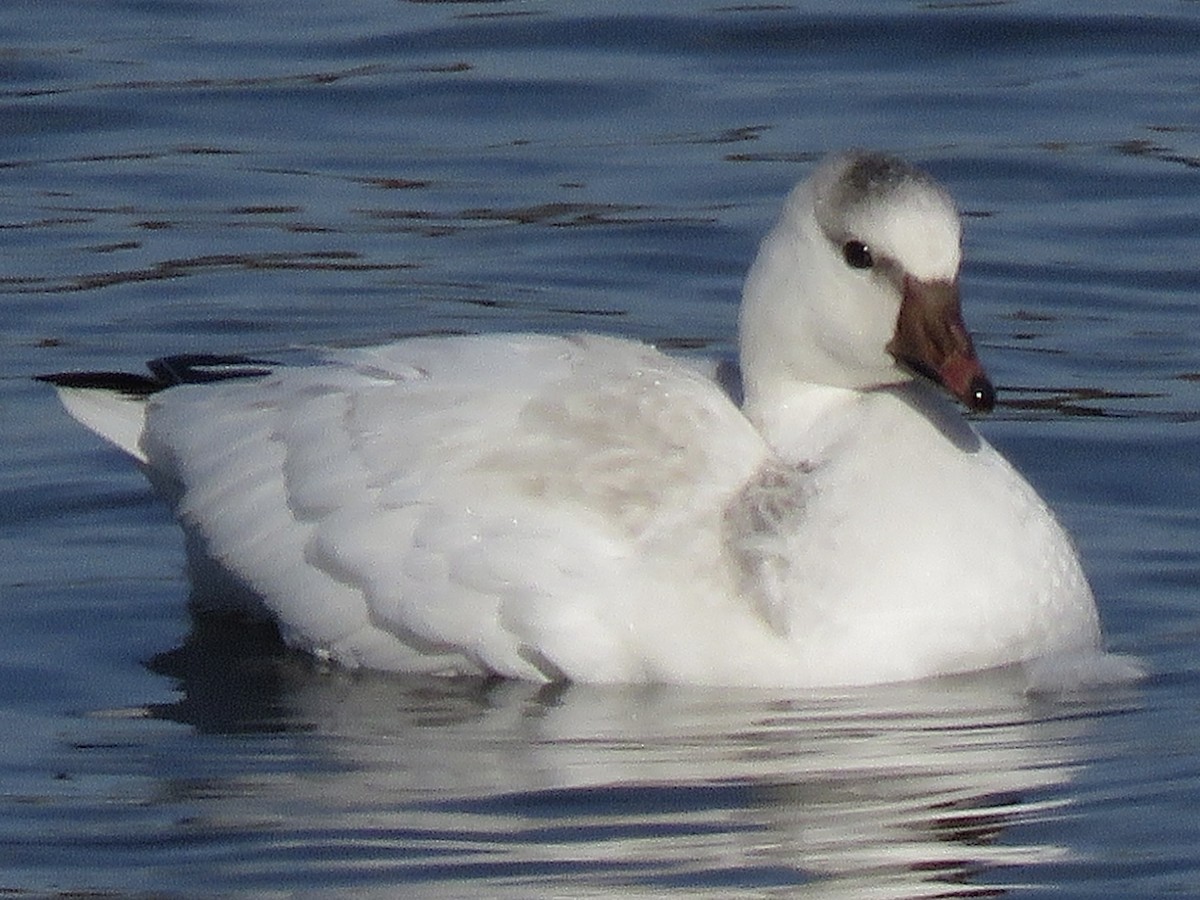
{"x": 250, "y": 175}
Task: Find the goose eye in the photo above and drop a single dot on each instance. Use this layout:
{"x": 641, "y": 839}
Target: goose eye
{"x": 857, "y": 255}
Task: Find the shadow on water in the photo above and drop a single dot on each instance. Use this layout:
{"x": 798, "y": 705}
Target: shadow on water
{"x": 919, "y": 790}
{"x": 236, "y": 677}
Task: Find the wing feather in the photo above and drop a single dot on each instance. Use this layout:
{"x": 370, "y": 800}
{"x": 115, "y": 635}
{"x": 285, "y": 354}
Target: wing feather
{"x": 465, "y": 503}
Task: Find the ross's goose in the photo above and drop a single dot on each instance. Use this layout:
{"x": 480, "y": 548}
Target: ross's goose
{"x": 590, "y": 508}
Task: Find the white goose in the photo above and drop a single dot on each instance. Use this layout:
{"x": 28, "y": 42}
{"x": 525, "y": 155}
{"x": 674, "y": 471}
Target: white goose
{"x": 589, "y": 508}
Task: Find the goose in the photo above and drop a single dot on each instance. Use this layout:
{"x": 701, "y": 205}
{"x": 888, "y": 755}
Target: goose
{"x": 587, "y": 507}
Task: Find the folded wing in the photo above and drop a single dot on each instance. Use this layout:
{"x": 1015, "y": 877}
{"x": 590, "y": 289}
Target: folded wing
{"x": 464, "y": 504}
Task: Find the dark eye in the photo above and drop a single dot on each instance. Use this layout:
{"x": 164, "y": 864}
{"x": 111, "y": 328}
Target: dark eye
{"x": 857, "y": 255}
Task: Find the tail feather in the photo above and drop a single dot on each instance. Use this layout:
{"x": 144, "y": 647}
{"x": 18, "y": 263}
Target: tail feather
{"x": 113, "y": 404}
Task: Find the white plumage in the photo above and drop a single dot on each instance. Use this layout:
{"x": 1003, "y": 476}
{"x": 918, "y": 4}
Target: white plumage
{"x": 590, "y": 508}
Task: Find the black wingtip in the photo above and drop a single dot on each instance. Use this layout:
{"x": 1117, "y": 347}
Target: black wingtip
{"x": 203, "y": 368}
{"x": 118, "y": 382}
{"x": 188, "y": 368}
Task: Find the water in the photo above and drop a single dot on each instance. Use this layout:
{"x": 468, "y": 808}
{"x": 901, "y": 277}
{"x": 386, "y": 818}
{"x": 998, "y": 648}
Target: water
{"x": 246, "y": 176}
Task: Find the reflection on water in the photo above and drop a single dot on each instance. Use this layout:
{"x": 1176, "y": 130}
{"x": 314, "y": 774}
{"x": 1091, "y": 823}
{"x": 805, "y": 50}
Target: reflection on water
{"x": 907, "y": 791}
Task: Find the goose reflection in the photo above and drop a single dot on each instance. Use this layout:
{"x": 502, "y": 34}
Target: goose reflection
{"x": 499, "y": 788}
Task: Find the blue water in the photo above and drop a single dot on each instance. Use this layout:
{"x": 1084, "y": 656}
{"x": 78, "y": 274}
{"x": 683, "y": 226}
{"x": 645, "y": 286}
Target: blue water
{"x": 252, "y": 175}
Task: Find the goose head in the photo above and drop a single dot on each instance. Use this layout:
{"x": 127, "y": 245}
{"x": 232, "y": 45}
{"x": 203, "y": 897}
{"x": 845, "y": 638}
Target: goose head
{"x": 856, "y": 286}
